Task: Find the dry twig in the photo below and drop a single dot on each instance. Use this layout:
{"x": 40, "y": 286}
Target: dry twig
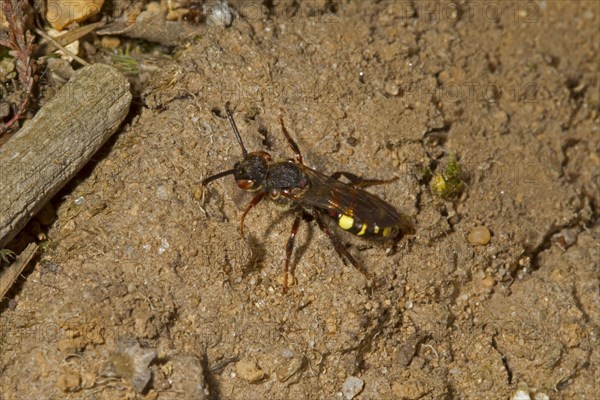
{"x": 11, "y": 274}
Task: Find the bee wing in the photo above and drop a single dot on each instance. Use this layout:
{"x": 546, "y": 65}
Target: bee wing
{"x": 330, "y": 194}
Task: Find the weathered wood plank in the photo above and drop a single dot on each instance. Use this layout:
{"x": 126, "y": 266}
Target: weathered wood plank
{"x": 47, "y": 152}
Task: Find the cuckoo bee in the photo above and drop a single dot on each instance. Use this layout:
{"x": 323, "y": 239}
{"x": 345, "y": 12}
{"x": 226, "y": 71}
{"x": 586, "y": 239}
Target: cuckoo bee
{"x": 314, "y": 195}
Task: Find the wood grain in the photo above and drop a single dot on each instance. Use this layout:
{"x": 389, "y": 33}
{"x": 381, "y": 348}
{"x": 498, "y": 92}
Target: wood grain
{"x": 46, "y": 153}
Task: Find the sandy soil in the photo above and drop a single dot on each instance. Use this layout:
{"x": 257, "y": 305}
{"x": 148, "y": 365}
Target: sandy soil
{"x": 144, "y": 279}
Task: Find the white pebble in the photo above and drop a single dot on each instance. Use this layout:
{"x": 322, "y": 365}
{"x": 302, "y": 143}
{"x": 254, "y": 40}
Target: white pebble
{"x": 352, "y": 387}
{"x": 391, "y": 88}
{"x": 161, "y": 193}
{"x": 220, "y": 15}
{"x": 521, "y": 395}
{"x": 164, "y": 245}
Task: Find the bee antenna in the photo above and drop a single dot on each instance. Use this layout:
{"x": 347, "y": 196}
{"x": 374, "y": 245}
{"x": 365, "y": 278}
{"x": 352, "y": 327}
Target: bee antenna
{"x": 217, "y": 176}
{"x": 235, "y": 129}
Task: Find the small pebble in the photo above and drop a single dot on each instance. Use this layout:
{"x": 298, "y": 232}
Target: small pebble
{"x": 110, "y": 42}
{"x": 220, "y": 15}
{"x": 287, "y": 353}
{"x": 4, "y": 107}
{"x": 521, "y": 395}
{"x": 162, "y": 193}
{"x": 69, "y": 381}
{"x": 62, "y": 13}
{"x": 392, "y": 89}
{"x": 7, "y": 70}
{"x": 130, "y": 362}
{"x": 352, "y": 387}
{"x": 290, "y": 368}
{"x": 488, "y": 282}
{"x": 249, "y": 371}
{"x": 479, "y": 236}
{"x": 164, "y": 245}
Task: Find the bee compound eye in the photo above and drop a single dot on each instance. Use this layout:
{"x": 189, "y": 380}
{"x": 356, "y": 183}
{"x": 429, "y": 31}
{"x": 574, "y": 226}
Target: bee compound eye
{"x": 245, "y": 183}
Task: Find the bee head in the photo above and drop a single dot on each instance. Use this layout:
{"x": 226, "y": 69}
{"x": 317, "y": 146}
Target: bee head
{"x": 251, "y": 172}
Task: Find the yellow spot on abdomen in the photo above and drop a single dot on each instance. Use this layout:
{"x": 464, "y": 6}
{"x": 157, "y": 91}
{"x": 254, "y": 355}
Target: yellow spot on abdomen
{"x": 386, "y": 231}
{"x": 345, "y": 222}
{"x": 363, "y": 229}
{"x": 376, "y": 229}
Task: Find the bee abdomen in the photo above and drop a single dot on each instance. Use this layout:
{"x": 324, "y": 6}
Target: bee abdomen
{"x": 361, "y": 228}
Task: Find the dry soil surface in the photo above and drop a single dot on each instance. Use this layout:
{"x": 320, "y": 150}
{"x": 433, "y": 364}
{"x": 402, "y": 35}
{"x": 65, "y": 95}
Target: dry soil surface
{"x": 148, "y": 290}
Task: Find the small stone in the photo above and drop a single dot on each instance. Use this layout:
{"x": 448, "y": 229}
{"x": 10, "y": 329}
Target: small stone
{"x": 88, "y": 380}
{"x": 352, "y": 387}
{"x": 287, "y": 353}
{"x": 71, "y": 344}
{"x": 565, "y": 238}
{"x": 521, "y": 395}
{"x": 249, "y": 371}
{"x": 479, "y": 236}
{"x": 331, "y": 325}
{"x": 162, "y": 193}
{"x": 220, "y": 15}
{"x": 7, "y": 69}
{"x": 110, "y": 42}
{"x": 488, "y": 282}
{"x": 392, "y": 89}
{"x": 290, "y": 368}
{"x": 69, "y": 381}
{"x": 4, "y": 107}
{"x": 130, "y": 362}
{"x": 61, "y": 13}
{"x": 188, "y": 376}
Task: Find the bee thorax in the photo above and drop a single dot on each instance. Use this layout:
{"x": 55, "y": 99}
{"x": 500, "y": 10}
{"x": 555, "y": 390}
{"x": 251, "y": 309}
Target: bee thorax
{"x": 285, "y": 175}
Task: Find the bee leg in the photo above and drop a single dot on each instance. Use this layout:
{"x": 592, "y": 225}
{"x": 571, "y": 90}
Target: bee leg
{"x": 359, "y": 182}
{"x": 289, "y": 248}
{"x": 291, "y": 142}
{"x": 257, "y": 199}
{"x": 337, "y": 244}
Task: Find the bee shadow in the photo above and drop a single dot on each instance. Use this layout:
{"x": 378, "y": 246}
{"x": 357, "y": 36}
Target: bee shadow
{"x": 299, "y": 249}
